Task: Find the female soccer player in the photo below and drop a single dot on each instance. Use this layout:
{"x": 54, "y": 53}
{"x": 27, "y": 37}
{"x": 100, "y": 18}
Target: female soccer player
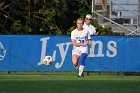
{"x": 80, "y": 40}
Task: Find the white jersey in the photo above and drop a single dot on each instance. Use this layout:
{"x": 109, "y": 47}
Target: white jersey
{"x": 80, "y": 37}
{"x": 90, "y": 28}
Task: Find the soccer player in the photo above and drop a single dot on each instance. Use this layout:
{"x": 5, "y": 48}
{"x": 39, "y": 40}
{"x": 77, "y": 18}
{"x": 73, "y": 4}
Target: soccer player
{"x": 80, "y": 40}
{"x": 87, "y": 25}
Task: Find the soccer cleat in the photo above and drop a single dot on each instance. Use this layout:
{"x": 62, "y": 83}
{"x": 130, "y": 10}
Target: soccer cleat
{"x": 81, "y": 75}
{"x": 76, "y": 66}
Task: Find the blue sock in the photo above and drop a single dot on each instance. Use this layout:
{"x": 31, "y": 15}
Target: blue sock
{"x": 82, "y": 59}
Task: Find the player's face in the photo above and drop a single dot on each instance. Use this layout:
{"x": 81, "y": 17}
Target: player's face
{"x": 79, "y": 24}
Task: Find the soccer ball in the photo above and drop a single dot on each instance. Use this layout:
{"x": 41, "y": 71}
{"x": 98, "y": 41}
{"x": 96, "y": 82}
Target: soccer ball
{"x": 47, "y": 60}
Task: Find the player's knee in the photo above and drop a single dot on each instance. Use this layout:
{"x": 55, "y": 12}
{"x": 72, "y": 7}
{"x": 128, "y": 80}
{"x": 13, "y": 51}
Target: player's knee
{"x": 75, "y": 64}
{"x": 83, "y": 56}
{"x": 82, "y": 59}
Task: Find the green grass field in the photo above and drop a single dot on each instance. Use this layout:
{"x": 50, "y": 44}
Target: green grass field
{"x": 68, "y": 83}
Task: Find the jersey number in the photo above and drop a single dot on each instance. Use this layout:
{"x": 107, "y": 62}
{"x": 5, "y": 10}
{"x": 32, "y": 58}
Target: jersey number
{"x": 81, "y": 41}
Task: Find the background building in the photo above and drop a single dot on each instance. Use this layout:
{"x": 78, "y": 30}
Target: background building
{"x": 124, "y": 12}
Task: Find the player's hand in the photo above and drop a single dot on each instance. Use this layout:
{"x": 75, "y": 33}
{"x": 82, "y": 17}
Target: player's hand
{"x": 85, "y": 43}
{"x": 96, "y": 33}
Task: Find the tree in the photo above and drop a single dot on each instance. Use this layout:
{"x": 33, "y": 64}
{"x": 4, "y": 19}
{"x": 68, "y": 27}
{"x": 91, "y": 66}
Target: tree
{"x": 55, "y": 17}
{"x": 4, "y": 15}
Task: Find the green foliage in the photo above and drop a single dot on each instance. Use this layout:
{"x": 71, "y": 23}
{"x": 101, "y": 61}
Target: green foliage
{"x": 70, "y": 29}
{"x": 53, "y": 17}
{"x": 18, "y": 28}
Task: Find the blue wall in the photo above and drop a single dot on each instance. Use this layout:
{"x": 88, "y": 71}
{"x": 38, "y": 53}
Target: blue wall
{"x": 111, "y": 53}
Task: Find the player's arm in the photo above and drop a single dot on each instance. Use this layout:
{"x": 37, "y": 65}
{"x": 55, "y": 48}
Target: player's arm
{"x": 77, "y": 44}
{"x": 90, "y": 43}
{"x": 90, "y": 46}
{"x": 73, "y": 40}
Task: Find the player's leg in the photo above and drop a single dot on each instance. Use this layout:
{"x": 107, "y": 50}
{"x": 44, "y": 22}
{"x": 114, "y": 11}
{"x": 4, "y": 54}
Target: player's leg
{"x": 82, "y": 63}
{"x": 75, "y": 60}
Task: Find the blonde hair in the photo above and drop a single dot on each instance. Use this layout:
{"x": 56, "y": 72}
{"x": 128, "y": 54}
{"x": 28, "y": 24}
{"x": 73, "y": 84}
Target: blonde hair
{"x": 80, "y": 19}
